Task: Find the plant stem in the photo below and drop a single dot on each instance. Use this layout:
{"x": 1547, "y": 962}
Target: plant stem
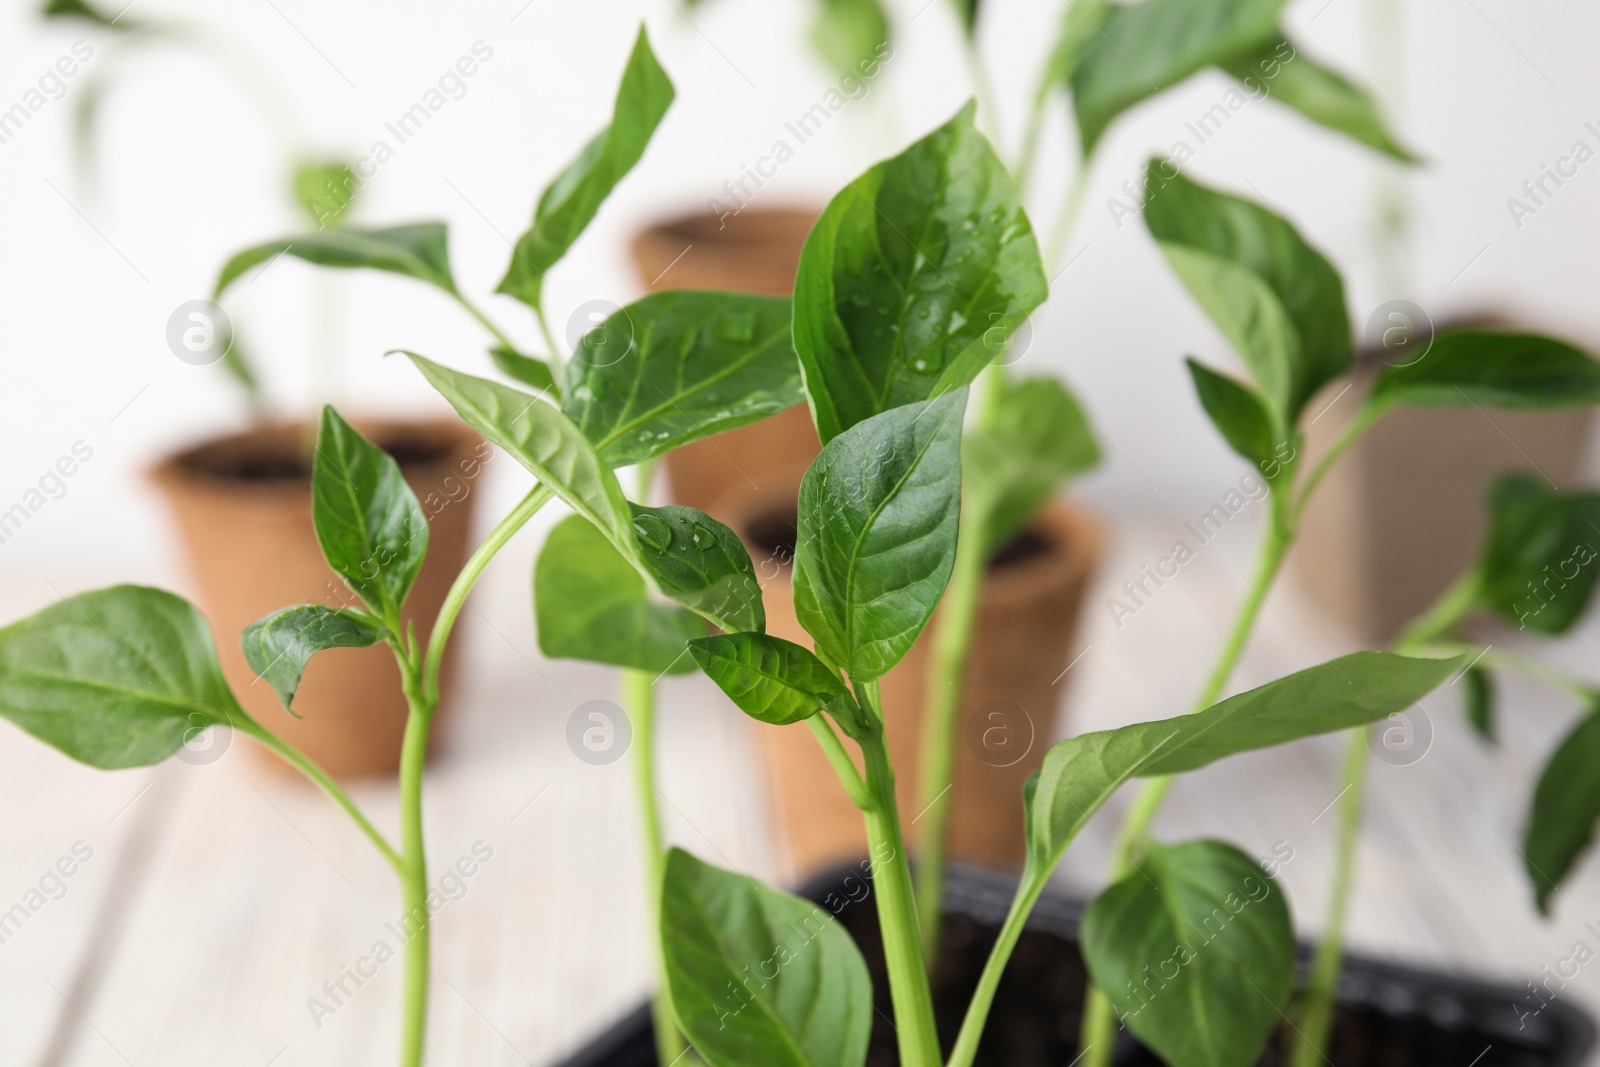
{"x": 941, "y": 723}
{"x": 1273, "y": 550}
{"x": 484, "y": 320}
{"x": 1355, "y": 428}
{"x": 414, "y": 876}
{"x": 1098, "y": 1018}
{"x": 1030, "y": 134}
{"x": 843, "y": 767}
{"x": 639, "y": 697}
{"x": 639, "y": 700}
{"x": 299, "y": 761}
{"x": 983, "y": 89}
{"x": 1061, "y": 233}
{"x": 910, "y": 992}
{"x": 1540, "y": 672}
{"x": 1455, "y": 603}
{"x": 456, "y": 599}
{"x": 557, "y": 359}
{"x": 1317, "y": 1000}
{"x": 972, "y": 1025}
{"x": 1316, "y": 1012}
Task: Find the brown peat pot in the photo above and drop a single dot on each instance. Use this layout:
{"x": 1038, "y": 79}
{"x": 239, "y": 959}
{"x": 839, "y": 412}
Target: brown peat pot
{"x": 1403, "y": 512}
{"x": 1023, "y": 642}
{"x": 755, "y": 251}
{"x": 1387, "y": 1015}
{"x": 242, "y": 505}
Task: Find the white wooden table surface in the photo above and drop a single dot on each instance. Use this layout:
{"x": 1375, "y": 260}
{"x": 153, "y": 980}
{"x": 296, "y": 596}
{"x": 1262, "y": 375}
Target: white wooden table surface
{"x": 219, "y": 898}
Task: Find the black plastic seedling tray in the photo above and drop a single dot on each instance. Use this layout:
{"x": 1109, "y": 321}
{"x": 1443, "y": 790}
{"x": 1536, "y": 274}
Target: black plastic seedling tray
{"x": 1388, "y": 1015}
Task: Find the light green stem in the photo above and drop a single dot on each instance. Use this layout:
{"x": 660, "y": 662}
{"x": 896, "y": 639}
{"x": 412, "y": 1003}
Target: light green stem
{"x": 1316, "y": 1010}
{"x": 298, "y": 760}
{"x": 1318, "y": 999}
{"x": 1540, "y": 672}
{"x": 485, "y": 321}
{"x": 972, "y": 1025}
{"x": 639, "y": 698}
{"x": 834, "y": 749}
{"x": 983, "y": 89}
{"x": 1130, "y": 839}
{"x": 557, "y": 357}
{"x": 414, "y": 878}
{"x": 639, "y": 694}
{"x": 1454, "y": 604}
{"x": 456, "y": 599}
{"x": 1353, "y": 429}
{"x": 912, "y": 996}
{"x": 1030, "y": 134}
{"x": 941, "y": 722}
{"x": 1071, "y": 208}
{"x": 1099, "y": 1020}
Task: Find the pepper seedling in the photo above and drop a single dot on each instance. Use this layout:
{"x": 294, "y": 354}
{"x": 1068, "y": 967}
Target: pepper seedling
{"x": 1533, "y": 570}
{"x": 124, "y": 677}
{"x": 1027, "y": 438}
{"x": 1280, "y": 304}
{"x": 880, "y": 518}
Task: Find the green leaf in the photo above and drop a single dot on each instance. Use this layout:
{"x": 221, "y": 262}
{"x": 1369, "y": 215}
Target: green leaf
{"x": 1249, "y": 314}
{"x": 79, "y": 9}
{"x": 1035, "y": 438}
{"x": 1082, "y": 772}
{"x": 534, "y": 373}
{"x": 591, "y": 604}
{"x": 546, "y": 442}
{"x": 1480, "y": 702}
{"x": 1538, "y": 566}
{"x": 850, "y": 34}
{"x": 1146, "y": 48}
{"x": 1080, "y": 24}
{"x": 372, "y": 530}
{"x": 1508, "y": 370}
{"x": 1238, "y": 412}
{"x": 967, "y": 11}
{"x": 420, "y": 250}
{"x": 758, "y": 976}
{"x": 913, "y": 279}
{"x": 325, "y": 190}
{"x": 236, "y": 363}
{"x": 696, "y": 364}
{"x": 773, "y": 680}
{"x": 1180, "y": 212}
{"x": 1566, "y": 807}
{"x": 119, "y": 677}
{"x": 1323, "y": 96}
{"x": 1196, "y": 952}
{"x": 877, "y": 534}
{"x": 279, "y": 646}
{"x": 700, "y": 563}
{"x": 570, "y": 202}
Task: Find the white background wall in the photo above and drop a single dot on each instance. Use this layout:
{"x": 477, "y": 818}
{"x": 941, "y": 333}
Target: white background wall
{"x": 87, "y": 281}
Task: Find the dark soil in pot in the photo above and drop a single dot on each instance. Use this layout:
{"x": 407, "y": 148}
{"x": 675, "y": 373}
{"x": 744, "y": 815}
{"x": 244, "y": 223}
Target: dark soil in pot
{"x": 1389, "y": 1016}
